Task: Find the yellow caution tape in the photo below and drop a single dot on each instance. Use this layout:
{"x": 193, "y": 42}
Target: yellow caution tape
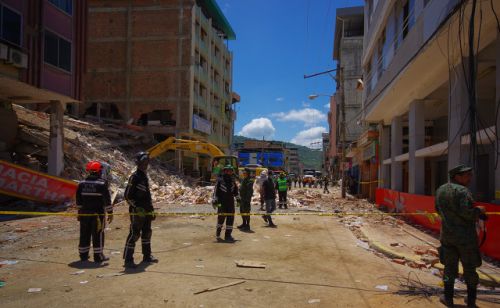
{"x": 66, "y": 214}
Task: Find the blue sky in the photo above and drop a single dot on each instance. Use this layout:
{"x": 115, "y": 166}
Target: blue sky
{"x": 277, "y": 42}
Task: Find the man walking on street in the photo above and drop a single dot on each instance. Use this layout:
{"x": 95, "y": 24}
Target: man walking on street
{"x": 270, "y": 199}
{"x": 246, "y": 193}
{"x": 141, "y": 211}
{"x": 93, "y": 200}
{"x": 325, "y": 185}
{"x": 282, "y": 187}
{"x": 224, "y": 193}
{"x": 258, "y": 187}
{"x": 454, "y": 204}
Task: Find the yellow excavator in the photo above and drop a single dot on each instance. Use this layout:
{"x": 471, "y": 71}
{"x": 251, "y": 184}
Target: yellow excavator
{"x": 219, "y": 159}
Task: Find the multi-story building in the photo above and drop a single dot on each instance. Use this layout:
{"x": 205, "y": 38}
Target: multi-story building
{"x": 273, "y": 155}
{"x": 325, "y": 143}
{"x": 163, "y": 65}
{"x": 294, "y": 161}
{"x": 42, "y": 55}
{"x": 347, "y": 102}
{"x": 419, "y": 90}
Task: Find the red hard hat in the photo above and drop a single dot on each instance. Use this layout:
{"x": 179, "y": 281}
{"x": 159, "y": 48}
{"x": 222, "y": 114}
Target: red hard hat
{"x": 94, "y": 166}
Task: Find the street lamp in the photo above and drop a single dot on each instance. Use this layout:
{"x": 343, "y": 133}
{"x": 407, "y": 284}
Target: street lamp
{"x": 315, "y": 96}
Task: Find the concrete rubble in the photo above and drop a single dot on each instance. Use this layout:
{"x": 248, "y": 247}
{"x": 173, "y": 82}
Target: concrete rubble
{"x": 107, "y": 142}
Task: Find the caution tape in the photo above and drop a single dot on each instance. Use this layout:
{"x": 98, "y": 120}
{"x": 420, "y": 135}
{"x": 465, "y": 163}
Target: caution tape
{"x": 169, "y": 214}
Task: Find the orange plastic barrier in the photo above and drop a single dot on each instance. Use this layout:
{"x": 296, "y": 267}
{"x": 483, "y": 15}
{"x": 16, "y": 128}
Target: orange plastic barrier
{"x": 409, "y": 203}
{"x": 28, "y": 184}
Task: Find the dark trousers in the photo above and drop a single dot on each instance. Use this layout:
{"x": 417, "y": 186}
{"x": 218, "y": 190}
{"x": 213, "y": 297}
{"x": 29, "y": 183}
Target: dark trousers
{"x": 325, "y": 189}
{"x": 282, "y": 199}
{"x": 270, "y": 207}
{"x": 229, "y": 219}
{"x": 245, "y": 209}
{"x": 140, "y": 227}
{"x": 470, "y": 258}
{"x": 91, "y": 228}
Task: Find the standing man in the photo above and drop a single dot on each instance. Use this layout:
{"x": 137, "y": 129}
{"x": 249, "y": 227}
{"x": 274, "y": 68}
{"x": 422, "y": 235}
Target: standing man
{"x": 454, "y": 204}
{"x": 258, "y": 186}
{"x": 269, "y": 190}
{"x": 224, "y": 193}
{"x": 282, "y": 187}
{"x": 141, "y": 212}
{"x": 325, "y": 185}
{"x": 246, "y": 193}
{"x": 93, "y": 200}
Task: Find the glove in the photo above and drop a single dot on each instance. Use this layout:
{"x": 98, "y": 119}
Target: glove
{"x": 237, "y": 203}
{"x": 238, "y": 199}
{"x": 216, "y": 205}
{"x": 153, "y": 215}
{"x": 110, "y": 218}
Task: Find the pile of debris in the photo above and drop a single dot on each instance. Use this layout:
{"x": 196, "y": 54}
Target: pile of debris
{"x": 107, "y": 142}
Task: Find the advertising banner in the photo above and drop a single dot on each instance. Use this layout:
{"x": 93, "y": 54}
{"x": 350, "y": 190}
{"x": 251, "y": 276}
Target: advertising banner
{"x": 201, "y": 124}
{"x": 28, "y": 184}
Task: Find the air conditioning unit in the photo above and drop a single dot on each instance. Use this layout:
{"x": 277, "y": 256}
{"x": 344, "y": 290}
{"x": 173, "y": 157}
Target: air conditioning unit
{"x": 4, "y": 52}
{"x": 17, "y": 58}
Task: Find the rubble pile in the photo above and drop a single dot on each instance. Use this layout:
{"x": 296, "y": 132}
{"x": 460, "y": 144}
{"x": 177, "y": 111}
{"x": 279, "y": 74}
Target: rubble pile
{"x": 110, "y": 143}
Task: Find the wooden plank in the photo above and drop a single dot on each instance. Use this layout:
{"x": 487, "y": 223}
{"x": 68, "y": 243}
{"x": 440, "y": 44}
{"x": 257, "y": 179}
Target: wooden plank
{"x": 220, "y": 287}
{"x": 250, "y": 264}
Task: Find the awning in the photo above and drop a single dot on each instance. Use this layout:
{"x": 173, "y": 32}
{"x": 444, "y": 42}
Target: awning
{"x": 19, "y": 92}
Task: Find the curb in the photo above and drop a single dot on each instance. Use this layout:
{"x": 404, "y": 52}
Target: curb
{"x": 485, "y": 279}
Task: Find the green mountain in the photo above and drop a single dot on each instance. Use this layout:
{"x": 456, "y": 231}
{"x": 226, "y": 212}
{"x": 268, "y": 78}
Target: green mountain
{"x": 309, "y": 157}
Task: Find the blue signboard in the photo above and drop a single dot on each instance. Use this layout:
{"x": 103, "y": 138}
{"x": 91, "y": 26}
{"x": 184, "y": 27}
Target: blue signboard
{"x": 266, "y": 159}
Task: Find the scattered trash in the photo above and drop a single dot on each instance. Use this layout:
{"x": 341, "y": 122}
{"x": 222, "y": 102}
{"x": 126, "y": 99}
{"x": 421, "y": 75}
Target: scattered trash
{"x": 187, "y": 244}
{"x": 200, "y": 266}
{"x": 363, "y": 245}
{"x": 8, "y": 262}
{"x": 34, "y": 290}
{"x": 314, "y": 301}
{"x": 116, "y": 253}
{"x": 84, "y": 282}
{"x": 382, "y": 287}
{"x": 110, "y": 275}
{"x": 2, "y": 284}
{"x": 267, "y": 237}
{"x": 250, "y": 264}
{"x": 220, "y": 287}
{"x": 78, "y": 273}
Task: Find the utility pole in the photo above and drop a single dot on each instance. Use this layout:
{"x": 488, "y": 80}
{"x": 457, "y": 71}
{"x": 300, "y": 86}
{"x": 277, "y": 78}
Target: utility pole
{"x": 342, "y": 131}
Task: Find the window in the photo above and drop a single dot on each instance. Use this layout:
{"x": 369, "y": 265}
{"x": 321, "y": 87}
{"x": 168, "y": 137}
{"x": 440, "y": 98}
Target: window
{"x": 65, "y": 5}
{"x": 408, "y": 16}
{"x": 10, "y": 26}
{"x": 57, "y": 51}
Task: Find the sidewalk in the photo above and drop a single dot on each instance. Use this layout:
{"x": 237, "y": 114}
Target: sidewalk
{"x": 407, "y": 245}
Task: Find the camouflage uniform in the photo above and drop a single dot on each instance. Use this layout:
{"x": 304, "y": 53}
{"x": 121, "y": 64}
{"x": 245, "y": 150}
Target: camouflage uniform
{"x": 246, "y": 193}
{"x": 458, "y": 238}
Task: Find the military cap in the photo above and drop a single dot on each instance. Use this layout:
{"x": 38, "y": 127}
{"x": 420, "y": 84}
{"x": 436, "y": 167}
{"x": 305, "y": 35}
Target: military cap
{"x": 458, "y": 170}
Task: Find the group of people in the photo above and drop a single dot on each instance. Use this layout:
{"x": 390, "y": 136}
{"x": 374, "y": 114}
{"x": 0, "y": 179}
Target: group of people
{"x": 454, "y": 204}
{"x": 94, "y": 205}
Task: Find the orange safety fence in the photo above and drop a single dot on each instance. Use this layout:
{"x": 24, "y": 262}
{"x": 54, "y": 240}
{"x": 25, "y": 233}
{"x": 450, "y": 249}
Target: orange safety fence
{"x": 410, "y": 203}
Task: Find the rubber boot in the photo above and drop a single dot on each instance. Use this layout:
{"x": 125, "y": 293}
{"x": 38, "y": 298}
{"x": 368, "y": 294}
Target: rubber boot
{"x": 447, "y": 298}
{"x": 270, "y": 221}
{"x": 470, "y": 300}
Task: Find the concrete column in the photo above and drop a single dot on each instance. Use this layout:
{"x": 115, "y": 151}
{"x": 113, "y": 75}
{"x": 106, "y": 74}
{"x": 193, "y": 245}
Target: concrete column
{"x": 497, "y": 171}
{"x": 196, "y": 163}
{"x": 56, "y": 139}
{"x": 416, "y": 172}
{"x": 396, "y": 149}
{"x": 458, "y": 125}
{"x": 178, "y": 160}
{"x": 384, "y": 171}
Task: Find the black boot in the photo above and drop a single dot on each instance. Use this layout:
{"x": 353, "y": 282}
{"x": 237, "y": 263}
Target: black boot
{"x": 271, "y": 224}
{"x": 470, "y": 300}
{"x": 447, "y": 298}
{"x": 129, "y": 263}
{"x": 149, "y": 259}
{"x": 99, "y": 258}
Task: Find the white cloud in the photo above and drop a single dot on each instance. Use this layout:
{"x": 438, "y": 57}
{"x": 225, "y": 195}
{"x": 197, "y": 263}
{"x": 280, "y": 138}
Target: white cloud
{"x": 309, "y": 116}
{"x": 327, "y": 106}
{"x": 308, "y": 136}
{"x": 306, "y": 104}
{"x": 280, "y": 99}
{"x": 258, "y": 128}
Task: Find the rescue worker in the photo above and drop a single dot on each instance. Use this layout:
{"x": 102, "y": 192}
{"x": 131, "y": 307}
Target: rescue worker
{"x": 325, "y": 185}
{"x": 246, "y": 193}
{"x": 224, "y": 193}
{"x": 269, "y": 191}
{"x": 289, "y": 182}
{"x": 281, "y": 186}
{"x": 141, "y": 211}
{"x": 258, "y": 186}
{"x": 93, "y": 199}
{"x": 454, "y": 204}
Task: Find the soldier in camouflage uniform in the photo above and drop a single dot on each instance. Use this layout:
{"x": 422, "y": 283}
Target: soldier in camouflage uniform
{"x": 454, "y": 204}
{"x": 246, "y": 193}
